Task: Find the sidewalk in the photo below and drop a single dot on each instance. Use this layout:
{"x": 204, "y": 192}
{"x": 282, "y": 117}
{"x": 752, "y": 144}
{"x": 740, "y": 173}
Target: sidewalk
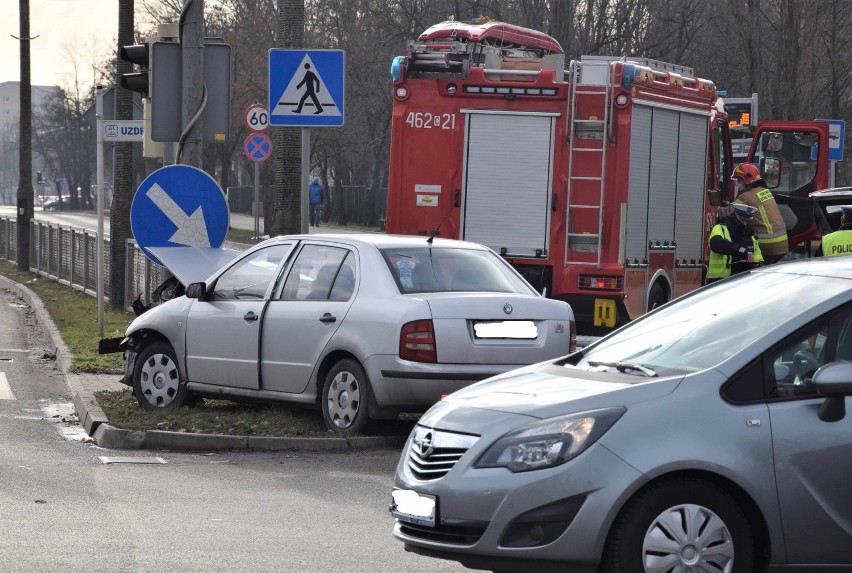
{"x": 93, "y": 419}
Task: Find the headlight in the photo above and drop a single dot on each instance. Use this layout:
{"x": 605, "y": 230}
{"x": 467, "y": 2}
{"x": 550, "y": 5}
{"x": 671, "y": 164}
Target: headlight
{"x": 549, "y": 443}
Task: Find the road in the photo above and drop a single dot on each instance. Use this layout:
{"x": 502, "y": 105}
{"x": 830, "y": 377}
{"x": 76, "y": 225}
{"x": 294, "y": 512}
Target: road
{"x": 63, "y": 509}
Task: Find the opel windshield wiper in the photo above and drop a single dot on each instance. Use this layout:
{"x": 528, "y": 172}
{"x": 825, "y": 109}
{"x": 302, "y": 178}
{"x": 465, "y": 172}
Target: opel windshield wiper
{"x": 625, "y": 366}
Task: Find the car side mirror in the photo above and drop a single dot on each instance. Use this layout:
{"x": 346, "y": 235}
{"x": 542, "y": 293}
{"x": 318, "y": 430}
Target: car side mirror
{"x": 834, "y": 381}
{"x": 770, "y": 167}
{"x": 196, "y": 290}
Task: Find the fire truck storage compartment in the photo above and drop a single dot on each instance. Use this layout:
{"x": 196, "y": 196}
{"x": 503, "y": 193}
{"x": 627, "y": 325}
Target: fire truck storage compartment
{"x": 666, "y": 184}
{"x": 508, "y": 170}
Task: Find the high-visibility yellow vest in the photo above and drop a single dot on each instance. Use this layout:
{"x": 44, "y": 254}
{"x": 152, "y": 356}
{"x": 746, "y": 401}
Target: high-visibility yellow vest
{"x": 719, "y": 265}
{"x": 837, "y": 243}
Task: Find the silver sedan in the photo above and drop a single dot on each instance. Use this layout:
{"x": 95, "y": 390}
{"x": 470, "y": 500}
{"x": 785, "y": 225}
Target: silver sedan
{"x": 362, "y": 326}
{"x": 710, "y": 435}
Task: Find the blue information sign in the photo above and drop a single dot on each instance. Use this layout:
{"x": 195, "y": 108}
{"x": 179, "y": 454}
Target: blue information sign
{"x": 179, "y": 206}
{"x": 306, "y": 87}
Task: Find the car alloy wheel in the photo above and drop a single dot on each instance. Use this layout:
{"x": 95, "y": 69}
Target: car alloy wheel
{"x": 344, "y": 397}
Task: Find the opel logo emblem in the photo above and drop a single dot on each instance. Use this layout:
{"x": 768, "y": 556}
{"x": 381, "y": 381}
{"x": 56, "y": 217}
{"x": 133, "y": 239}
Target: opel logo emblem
{"x": 424, "y": 445}
{"x": 507, "y": 308}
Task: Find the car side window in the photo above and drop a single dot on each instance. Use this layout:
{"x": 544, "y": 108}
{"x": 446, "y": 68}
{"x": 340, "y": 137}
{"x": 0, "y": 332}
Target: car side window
{"x": 792, "y": 364}
{"x": 249, "y": 278}
{"x": 320, "y": 273}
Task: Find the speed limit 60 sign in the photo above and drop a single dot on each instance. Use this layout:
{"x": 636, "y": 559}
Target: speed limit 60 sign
{"x": 256, "y": 117}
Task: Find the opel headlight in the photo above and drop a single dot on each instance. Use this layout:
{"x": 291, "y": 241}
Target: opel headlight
{"x": 549, "y": 443}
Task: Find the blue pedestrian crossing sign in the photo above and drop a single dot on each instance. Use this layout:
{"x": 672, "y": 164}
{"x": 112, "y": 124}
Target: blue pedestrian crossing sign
{"x": 306, "y": 88}
{"x": 179, "y": 206}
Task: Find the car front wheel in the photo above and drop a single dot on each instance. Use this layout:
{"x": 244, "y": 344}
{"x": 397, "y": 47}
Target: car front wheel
{"x": 345, "y": 396}
{"x": 679, "y": 526}
{"x": 156, "y": 378}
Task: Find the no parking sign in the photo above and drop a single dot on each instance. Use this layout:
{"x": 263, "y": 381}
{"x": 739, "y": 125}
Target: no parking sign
{"x": 257, "y": 147}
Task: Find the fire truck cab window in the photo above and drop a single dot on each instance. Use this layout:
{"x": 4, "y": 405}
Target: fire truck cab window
{"x": 788, "y": 161}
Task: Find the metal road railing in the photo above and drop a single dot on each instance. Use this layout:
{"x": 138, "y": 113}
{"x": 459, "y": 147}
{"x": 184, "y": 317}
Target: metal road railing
{"x": 68, "y": 255}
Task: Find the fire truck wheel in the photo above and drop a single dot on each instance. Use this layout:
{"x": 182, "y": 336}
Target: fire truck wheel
{"x": 657, "y": 297}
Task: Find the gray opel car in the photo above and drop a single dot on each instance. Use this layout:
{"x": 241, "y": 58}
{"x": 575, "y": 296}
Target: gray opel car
{"x": 711, "y": 435}
{"x": 361, "y": 326}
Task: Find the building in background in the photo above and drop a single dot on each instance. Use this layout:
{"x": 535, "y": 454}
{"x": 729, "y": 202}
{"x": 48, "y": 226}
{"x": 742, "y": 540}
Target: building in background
{"x": 10, "y": 112}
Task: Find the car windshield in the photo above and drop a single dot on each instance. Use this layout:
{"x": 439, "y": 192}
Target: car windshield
{"x": 425, "y": 269}
{"x": 708, "y": 327}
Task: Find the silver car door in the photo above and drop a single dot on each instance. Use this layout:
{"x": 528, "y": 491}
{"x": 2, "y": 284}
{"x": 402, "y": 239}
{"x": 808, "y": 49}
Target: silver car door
{"x": 222, "y": 332}
{"x": 298, "y": 325}
{"x": 813, "y": 458}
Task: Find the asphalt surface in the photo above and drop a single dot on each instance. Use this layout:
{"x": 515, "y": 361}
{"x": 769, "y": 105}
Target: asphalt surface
{"x": 93, "y": 419}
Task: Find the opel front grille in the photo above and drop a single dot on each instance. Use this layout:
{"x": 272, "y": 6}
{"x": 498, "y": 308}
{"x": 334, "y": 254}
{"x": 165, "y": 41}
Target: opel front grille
{"x": 433, "y": 453}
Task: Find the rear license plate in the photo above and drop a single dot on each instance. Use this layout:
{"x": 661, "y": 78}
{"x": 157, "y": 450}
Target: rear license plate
{"x": 413, "y": 507}
{"x": 516, "y": 329}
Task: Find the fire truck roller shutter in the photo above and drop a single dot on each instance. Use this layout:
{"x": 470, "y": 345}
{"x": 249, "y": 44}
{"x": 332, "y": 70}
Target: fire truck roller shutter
{"x": 508, "y": 171}
{"x": 666, "y": 181}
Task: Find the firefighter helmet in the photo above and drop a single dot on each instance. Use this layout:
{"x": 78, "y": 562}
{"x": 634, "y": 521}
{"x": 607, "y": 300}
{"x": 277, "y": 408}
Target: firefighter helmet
{"x": 748, "y": 173}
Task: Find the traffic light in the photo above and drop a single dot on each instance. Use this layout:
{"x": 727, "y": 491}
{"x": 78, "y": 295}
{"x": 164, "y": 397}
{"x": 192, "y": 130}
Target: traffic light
{"x": 136, "y": 81}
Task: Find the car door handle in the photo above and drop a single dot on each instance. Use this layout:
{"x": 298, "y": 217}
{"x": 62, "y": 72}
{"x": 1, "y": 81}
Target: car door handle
{"x": 327, "y": 318}
{"x": 250, "y": 316}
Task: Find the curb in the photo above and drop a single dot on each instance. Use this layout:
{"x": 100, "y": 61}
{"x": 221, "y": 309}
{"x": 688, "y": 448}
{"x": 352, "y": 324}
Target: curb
{"x": 95, "y": 422}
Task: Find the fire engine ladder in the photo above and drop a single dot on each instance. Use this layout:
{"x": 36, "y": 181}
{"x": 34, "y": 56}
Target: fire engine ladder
{"x": 593, "y": 130}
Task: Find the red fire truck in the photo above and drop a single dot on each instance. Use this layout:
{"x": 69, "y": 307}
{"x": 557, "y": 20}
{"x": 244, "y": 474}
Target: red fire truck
{"x": 598, "y": 181}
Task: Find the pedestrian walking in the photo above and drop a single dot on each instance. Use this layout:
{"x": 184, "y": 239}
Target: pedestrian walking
{"x": 734, "y": 246}
{"x": 316, "y": 193}
{"x": 768, "y": 224}
{"x": 838, "y": 242}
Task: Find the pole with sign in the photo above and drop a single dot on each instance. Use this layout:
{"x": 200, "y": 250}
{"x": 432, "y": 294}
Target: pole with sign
{"x": 99, "y": 166}
{"x": 258, "y": 148}
{"x": 306, "y": 89}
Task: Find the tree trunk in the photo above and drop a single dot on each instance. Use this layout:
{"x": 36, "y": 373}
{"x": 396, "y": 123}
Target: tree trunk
{"x": 287, "y": 215}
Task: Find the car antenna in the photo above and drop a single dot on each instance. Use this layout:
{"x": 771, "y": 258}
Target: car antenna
{"x": 438, "y": 228}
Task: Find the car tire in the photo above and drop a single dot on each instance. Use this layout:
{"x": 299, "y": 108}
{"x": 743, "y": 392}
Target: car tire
{"x": 678, "y": 525}
{"x": 345, "y": 397}
{"x": 156, "y": 378}
{"x": 656, "y": 297}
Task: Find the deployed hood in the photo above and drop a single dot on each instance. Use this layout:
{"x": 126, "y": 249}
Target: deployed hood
{"x": 546, "y": 390}
{"x": 193, "y": 264}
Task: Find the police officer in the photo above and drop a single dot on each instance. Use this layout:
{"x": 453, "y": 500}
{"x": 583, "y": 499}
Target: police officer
{"x": 734, "y": 247}
{"x": 840, "y": 241}
{"x": 767, "y": 222}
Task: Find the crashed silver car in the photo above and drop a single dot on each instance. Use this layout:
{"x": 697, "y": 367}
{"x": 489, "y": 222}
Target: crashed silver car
{"x": 361, "y": 326}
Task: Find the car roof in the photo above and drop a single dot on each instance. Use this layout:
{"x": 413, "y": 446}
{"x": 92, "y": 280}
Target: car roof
{"x": 381, "y": 241}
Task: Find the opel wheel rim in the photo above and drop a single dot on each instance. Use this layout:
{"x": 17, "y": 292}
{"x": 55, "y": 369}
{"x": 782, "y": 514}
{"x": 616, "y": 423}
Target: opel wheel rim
{"x": 688, "y": 538}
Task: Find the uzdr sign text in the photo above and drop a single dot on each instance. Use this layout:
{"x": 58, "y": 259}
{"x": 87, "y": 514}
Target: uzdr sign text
{"x": 124, "y": 130}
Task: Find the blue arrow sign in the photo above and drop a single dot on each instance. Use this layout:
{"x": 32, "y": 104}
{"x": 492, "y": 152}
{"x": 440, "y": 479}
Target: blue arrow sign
{"x": 179, "y": 205}
{"x": 306, "y": 87}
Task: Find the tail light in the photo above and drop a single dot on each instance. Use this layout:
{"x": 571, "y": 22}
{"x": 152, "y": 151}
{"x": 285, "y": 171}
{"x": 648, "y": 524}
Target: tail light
{"x": 572, "y": 343}
{"x": 417, "y": 342}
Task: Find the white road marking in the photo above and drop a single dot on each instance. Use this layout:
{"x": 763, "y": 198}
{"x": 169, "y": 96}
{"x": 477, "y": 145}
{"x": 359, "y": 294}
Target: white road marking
{"x": 5, "y": 389}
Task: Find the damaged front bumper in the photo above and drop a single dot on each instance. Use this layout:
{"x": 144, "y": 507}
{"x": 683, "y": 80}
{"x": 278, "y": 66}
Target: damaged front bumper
{"x": 121, "y": 344}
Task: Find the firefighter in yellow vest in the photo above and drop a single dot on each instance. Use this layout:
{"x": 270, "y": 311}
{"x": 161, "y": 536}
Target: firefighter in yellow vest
{"x": 767, "y": 222}
{"x": 734, "y": 247}
{"x": 840, "y": 241}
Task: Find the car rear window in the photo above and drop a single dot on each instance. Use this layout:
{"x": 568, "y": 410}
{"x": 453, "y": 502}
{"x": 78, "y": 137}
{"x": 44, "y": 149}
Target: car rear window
{"x": 419, "y": 270}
